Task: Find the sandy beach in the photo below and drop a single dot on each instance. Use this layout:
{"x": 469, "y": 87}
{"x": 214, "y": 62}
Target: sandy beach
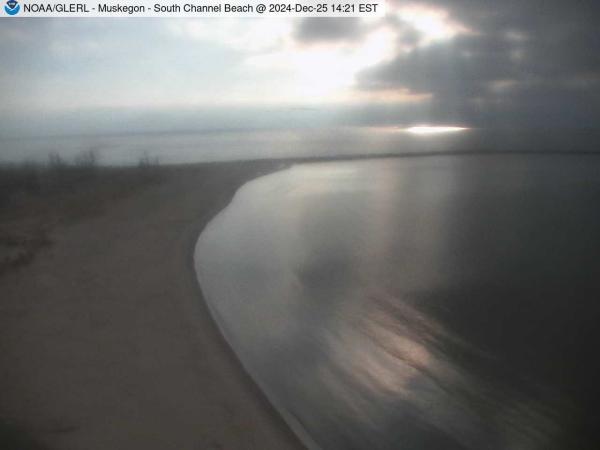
{"x": 106, "y": 342}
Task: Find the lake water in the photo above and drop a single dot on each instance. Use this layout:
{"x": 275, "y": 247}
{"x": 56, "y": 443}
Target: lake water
{"x": 188, "y": 147}
{"x": 445, "y": 302}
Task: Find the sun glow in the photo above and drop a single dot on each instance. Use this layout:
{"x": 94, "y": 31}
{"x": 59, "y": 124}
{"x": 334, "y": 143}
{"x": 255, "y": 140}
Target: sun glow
{"x": 325, "y": 71}
{"x": 432, "y": 24}
{"x": 288, "y": 71}
{"x": 427, "y": 130}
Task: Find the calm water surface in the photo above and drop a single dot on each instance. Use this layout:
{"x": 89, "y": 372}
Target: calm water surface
{"x": 189, "y": 147}
{"x": 418, "y": 303}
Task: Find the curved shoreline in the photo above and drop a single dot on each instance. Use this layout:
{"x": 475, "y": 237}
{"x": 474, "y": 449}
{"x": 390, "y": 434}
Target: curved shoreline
{"x": 292, "y": 422}
{"x": 262, "y": 390}
{"x": 105, "y": 342}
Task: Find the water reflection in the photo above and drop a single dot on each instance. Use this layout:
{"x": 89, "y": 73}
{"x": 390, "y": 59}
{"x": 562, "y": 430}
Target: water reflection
{"x": 226, "y": 145}
{"x": 424, "y": 303}
{"x": 427, "y": 129}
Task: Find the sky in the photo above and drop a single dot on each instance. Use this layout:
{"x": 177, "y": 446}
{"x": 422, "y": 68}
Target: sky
{"x": 472, "y": 63}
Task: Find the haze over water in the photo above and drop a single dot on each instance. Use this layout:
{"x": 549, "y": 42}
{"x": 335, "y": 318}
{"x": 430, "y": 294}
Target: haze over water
{"x": 226, "y": 145}
{"x": 445, "y": 302}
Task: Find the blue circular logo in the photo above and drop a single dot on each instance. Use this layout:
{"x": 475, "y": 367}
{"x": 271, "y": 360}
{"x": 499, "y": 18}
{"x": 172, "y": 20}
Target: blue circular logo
{"x": 12, "y": 7}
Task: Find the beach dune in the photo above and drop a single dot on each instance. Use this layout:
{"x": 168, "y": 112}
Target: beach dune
{"x": 106, "y": 342}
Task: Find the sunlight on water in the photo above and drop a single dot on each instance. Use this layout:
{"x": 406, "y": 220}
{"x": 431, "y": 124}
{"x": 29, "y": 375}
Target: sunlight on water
{"x": 223, "y": 145}
{"x": 383, "y": 304}
{"x": 426, "y": 130}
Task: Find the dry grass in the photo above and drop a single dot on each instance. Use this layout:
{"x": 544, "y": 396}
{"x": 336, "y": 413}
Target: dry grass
{"x": 34, "y": 198}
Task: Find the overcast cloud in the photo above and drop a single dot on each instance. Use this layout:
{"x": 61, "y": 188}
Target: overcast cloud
{"x": 518, "y": 63}
{"x": 486, "y": 64}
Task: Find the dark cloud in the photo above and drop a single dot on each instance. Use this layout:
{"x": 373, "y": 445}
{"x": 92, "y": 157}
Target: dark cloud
{"x": 328, "y": 29}
{"x": 525, "y": 62}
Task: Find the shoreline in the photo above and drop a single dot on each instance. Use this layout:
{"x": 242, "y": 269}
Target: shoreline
{"x": 294, "y": 424}
{"x": 98, "y": 355}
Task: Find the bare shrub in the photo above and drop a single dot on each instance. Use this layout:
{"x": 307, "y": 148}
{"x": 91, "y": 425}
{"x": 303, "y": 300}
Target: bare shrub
{"x": 148, "y": 167}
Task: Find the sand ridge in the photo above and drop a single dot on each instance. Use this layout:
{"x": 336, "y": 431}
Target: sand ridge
{"x": 105, "y": 341}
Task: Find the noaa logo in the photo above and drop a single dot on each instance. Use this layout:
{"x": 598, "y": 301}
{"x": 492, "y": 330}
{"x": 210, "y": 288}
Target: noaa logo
{"x": 12, "y": 7}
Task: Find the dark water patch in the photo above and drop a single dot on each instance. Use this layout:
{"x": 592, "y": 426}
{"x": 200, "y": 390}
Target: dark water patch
{"x": 424, "y": 303}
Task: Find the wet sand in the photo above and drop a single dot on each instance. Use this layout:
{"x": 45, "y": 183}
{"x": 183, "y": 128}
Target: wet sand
{"x": 106, "y": 343}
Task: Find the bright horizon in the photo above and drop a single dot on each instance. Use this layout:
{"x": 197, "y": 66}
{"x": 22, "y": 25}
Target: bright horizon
{"x": 434, "y": 62}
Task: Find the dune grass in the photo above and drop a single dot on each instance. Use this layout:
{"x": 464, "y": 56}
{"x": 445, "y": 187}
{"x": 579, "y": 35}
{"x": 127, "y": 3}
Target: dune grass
{"x": 35, "y": 197}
